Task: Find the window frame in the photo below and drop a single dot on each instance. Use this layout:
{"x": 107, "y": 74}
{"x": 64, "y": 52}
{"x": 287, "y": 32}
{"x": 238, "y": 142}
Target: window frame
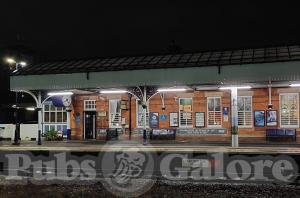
{"x": 56, "y": 124}
{"x": 93, "y": 103}
{"x": 289, "y": 126}
{"x": 179, "y": 115}
{"x": 221, "y": 121}
{"x": 251, "y": 113}
{"x": 109, "y": 108}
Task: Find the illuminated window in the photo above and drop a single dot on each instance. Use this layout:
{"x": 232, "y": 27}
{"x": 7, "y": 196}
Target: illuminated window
{"x": 214, "y": 112}
{"x": 185, "y": 112}
{"x": 115, "y": 118}
{"x": 90, "y": 105}
{"x": 289, "y": 110}
{"x": 55, "y": 118}
{"x": 245, "y": 111}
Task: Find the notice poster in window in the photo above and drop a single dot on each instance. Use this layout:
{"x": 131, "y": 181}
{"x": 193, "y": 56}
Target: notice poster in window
{"x": 173, "y": 119}
{"x": 200, "y": 119}
{"x": 153, "y": 120}
{"x": 259, "y": 118}
{"x": 187, "y": 108}
{"x": 225, "y": 114}
{"x": 271, "y": 118}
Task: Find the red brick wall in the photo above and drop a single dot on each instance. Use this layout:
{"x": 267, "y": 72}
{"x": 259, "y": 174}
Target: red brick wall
{"x": 259, "y": 102}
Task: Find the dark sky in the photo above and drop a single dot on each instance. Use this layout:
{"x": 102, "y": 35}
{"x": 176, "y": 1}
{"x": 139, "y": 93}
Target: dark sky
{"x": 67, "y": 29}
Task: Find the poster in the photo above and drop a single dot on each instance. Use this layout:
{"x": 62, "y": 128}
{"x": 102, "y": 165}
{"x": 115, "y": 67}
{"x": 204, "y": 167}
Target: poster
{"x": 174, "y": 119}
{"x": 225, "y": 114}
{"x": 153, "y": 120}
{"x": 271, "y": 118}
{"x": 77, "y": 118}
{"x": 200, "y": 119}
{"x": 259, "y": 118}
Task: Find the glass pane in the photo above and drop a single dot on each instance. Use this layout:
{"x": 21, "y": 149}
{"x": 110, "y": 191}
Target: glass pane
{"x": 52, "y": 127}
{"x": 240, "y": 104}
{"x": 65, "y": 117}
{"x": 46, "y": 107}
{"x": 59, "y": 108}
{"x": 115, "y": 106}
{"x": 46, "y": 117}
{"x": 47, "y": 128}
{"x": 217, "y": 104}
{"x": 52, "y": 107}
{"x": 248, "y": 104}
{"x": 52, "y": 117}
{"x": 59, "y": 116}
{"x": 210, "y": 104}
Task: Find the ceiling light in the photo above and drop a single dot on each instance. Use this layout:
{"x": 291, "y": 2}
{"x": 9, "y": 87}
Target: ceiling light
{"x": 67, "y": 93}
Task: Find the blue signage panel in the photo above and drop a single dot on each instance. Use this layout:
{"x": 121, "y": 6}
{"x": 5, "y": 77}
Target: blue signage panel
{"x": 163, "y": 117}
{"x": 153, "y": 120}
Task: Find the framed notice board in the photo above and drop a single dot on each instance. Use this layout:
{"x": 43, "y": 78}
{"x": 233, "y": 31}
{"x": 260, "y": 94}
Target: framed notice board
{"x": 200, "y": 119}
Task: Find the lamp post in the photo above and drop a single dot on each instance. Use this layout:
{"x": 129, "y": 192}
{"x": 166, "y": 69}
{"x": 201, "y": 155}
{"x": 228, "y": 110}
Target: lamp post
{"x": 18, "y": 65}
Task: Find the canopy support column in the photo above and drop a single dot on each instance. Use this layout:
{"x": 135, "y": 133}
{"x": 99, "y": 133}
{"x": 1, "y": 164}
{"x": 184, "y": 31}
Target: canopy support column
{"x": 234, "y": 118}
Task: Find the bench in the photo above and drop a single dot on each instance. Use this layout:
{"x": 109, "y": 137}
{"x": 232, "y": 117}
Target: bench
{"x": 166, "y": 134}
{"x": 281, "y": 134}
{"x": 113, "y": 133}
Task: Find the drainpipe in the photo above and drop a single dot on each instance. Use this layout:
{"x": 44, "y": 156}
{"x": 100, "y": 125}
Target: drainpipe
{"x": 270, "y": 106}
{"x": 145, "y": 115}
{"x": 39, "y": 109}
{"x": 234, "y": 118}
{"x": 129, "y": 100}
{"x": 68, "y": 123}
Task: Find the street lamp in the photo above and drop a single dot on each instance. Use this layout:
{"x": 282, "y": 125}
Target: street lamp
{"x": 18, "y": 65}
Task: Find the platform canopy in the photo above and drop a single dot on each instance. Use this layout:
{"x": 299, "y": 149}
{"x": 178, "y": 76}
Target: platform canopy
{"x": 276, "y": 64}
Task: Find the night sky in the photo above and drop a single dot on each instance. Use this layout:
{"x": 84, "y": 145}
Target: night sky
{"x": 53, "y": 30}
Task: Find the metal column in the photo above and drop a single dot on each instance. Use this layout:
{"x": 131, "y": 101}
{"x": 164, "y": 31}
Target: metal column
{"x": 234, "y": 118}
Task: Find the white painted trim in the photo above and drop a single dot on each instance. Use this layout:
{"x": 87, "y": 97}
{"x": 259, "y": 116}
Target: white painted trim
{"x": 251, "y": 113}
{"x": 207, "y": 116}
{"x": 179, "y": 117}
{"x": 288, "y": 126}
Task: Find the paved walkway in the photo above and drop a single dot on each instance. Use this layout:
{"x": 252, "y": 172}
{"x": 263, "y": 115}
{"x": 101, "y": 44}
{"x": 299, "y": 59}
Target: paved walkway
{"x": 159, "y": 146}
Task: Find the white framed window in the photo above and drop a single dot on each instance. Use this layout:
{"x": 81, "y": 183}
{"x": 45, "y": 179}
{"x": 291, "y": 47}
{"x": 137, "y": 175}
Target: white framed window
{"x": 89, "y": 105}
{"x": 245, "y": 116}
{"x": 115, "y": 116}
{"x": 185, "y": 112}
{"x": 140, "y": 115}
{"x": 289, "y": 110}
{"x": 214, "y": 111}
{"x": 54, "y": 118}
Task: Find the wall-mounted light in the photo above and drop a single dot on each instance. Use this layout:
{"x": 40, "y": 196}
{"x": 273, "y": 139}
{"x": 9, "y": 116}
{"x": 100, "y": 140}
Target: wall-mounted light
{"x": 295, "y": 85}
{"x": 30, "y": 108}
{"x": 171, "y": 89}
{"x": 10, "y": 60}
{"x": 241, "y": 87}
{"x": 67, "y": 93}
{"x": 113, "y": 91}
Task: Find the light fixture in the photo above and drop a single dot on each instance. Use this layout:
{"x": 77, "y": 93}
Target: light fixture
{"x": 30, "y": 108}
{"x": 113, "y": 91}
{"x": 10, "y": 60}
{"x": 241, "y": 87}
{"x": 23, "y": 63}
{"x": 294, "y": 85}
{"x": 67, "y": 93}
{"x": 171, "y": 89}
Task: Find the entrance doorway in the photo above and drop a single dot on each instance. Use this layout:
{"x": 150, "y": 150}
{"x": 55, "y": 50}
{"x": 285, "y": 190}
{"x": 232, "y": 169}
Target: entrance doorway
{"x": 89, "y": 125}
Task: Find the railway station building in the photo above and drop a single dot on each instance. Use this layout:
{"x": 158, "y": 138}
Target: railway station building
{"x": 205, "y": 96}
